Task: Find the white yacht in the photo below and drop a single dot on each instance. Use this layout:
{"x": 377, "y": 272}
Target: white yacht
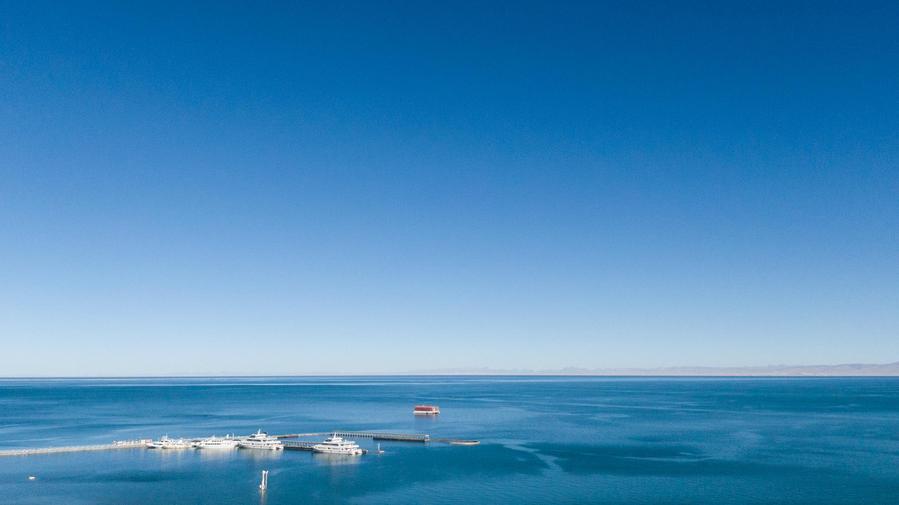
{"x": 214, "y": 442}
{"x": 261, "y": 440}
{"x": 337, "y": 445}
{"x": 169, "y": 443}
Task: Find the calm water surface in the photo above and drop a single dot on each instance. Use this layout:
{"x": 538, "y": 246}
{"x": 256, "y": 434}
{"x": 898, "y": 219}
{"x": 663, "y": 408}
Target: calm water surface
{"x": 544, "y": 440}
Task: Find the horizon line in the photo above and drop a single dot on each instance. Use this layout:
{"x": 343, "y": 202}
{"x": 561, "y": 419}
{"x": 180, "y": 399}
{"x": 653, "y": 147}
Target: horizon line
{"x": 889, "y": 369}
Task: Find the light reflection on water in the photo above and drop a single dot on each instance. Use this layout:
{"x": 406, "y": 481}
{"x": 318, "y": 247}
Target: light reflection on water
{"x": 335, "y": 459}
{"x": 217, "y": 454}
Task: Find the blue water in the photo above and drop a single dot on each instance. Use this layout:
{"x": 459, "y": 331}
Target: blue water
{"x": 544, "y": 440}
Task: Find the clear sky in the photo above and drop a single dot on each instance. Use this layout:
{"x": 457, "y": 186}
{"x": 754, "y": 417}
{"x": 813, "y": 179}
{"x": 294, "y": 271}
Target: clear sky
{"x": 269, "y": 188}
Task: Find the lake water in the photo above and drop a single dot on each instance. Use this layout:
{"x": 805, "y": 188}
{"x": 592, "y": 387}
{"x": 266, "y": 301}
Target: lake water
{"x": 543, "y": 440}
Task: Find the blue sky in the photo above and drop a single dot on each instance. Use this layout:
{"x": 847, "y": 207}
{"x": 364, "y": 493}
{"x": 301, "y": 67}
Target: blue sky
{"x": 384, "y": 187}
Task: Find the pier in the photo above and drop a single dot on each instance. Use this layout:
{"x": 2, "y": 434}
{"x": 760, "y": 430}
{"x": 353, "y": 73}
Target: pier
{"x": 374, "y": 435}
{"x": 302, "y": 445}
{"x": 300, "y": 435}
{"x": 296, "y": 445}
{"x": 128, "y": 444}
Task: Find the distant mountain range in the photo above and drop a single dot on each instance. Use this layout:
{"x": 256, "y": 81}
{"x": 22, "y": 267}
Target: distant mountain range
{"x": 843, "y": 370}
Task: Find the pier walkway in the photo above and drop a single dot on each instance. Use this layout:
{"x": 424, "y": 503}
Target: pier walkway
{"x": 298, "y": 445}
{"x": 374, "y": 435}
{"x": 300, "y": 435}
{"x": 128, "y": 444}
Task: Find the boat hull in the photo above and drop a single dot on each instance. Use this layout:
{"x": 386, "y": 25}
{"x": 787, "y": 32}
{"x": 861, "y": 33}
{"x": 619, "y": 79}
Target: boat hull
{"x": 216, "y": 447}
{"x": 262, "y": 448}
{"x": 354, "y": 452}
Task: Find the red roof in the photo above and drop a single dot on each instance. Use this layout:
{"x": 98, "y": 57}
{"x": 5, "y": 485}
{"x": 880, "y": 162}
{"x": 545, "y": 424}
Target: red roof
{"x": 425, "y": 407}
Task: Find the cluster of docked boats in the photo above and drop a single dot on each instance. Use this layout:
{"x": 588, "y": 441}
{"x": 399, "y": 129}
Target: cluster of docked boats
{"x": 258, "y": 440}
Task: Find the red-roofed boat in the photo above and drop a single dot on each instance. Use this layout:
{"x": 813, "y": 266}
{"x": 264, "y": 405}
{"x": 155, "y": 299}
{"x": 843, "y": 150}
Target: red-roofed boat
{"x": 426, "y": 410}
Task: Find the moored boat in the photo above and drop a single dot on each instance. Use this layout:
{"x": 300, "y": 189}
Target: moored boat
{"x": 214, "y": 442}
{"x": 169, "y": 443}
{"x": 426, "y": 410}
{"x": 260, "y": 440}
{"x": 338, "y": 445}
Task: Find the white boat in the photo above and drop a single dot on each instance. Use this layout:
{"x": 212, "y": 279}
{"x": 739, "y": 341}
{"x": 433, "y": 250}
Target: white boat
{"x": 169, "y": 443}
{"x": 214, "y": 442}
{"x": 337, "y": 445}
{"x": 261, "y": 440}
